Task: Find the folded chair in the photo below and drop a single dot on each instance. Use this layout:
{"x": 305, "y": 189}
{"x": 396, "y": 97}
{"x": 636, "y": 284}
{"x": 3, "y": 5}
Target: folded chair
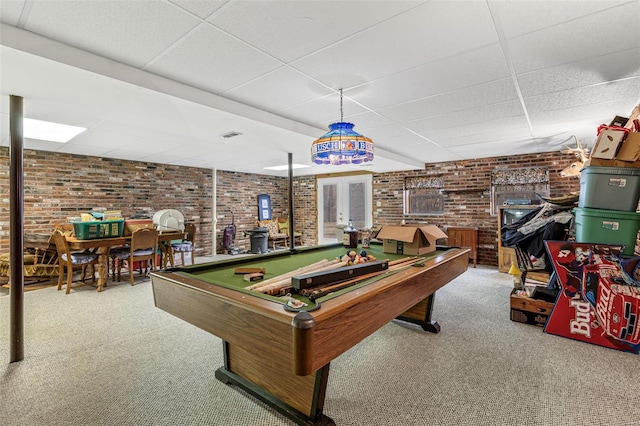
{"x": 525, "y": 265}
{"x": 187, "y": 245}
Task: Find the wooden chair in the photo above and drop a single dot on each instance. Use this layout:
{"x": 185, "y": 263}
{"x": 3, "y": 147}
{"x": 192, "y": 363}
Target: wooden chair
{"x": 67, "y": 260}
{"x": 187, "y": 245}
{"x": 143, "y": 248}
{"x": 283, "y": 225}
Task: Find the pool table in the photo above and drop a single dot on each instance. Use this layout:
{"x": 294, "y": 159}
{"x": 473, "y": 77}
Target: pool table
{"x": 282, "y": 355}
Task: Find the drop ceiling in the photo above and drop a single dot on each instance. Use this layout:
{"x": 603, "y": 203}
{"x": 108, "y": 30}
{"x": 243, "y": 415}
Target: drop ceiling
{"x": 428, "y": 81}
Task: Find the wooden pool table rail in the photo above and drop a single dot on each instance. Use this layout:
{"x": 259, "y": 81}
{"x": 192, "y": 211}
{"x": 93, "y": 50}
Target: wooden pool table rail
{"x": 283, "y": 357}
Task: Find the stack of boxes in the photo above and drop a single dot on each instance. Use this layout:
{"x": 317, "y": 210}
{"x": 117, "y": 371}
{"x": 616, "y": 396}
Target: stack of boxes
{"x": 610, "y": 190}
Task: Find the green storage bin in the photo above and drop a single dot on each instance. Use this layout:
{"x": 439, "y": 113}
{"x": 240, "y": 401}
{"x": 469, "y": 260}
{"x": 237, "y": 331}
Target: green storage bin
{"x": 609, "y": 188}
{"x": 607, "y": 227}
{"x": 98, "y": 229}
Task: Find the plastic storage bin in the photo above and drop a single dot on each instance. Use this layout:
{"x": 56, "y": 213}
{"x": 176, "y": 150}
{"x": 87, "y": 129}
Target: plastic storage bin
{"x": 607, "y": 227}
{"x": 609, "y": 188}
{"x": 95, "y": 229}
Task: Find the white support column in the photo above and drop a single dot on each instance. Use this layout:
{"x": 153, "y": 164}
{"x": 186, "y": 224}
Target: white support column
{"x": 214, "y": 212}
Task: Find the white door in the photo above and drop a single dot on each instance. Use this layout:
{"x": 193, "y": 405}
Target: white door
{"x": 341, "y": 199}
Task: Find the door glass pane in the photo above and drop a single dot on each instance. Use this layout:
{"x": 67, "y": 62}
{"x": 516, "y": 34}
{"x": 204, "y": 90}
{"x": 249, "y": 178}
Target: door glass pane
{"x": 330, "y": 210}
{"x": 357, "y": 204}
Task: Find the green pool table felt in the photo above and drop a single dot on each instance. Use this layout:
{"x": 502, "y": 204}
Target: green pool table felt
{"x": 222, "y": 273}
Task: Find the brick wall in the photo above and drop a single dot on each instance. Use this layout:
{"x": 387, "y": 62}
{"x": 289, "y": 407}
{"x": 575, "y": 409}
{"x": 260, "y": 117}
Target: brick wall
{"x": 57, "y": 186}
{"x": 467, "y": 187}
{"x": 237, "y": 199}
{"x": 61, "y": 185}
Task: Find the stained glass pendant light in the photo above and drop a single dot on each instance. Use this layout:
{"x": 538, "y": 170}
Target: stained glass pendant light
{"x": 342, "y": 145}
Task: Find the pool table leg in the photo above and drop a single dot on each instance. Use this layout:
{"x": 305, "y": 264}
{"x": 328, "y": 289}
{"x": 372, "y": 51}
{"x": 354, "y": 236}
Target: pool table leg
{"x": 420, "y": 314}
{"x": 278, "y": 380}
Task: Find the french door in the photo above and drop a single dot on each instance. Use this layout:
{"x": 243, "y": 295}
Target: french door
{"x": 341, "y": 199}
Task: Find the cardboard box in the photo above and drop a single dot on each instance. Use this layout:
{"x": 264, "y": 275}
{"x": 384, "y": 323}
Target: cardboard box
{"x": 630, "y": 149}
{"x": 599, "y": 162}
{"x": 130, "y": 225}
{"x": 526, "y": 303}
{"x": 527, "y": 317}
{"x": 527, "y": 310}
{"x": 607, "y": 144}
{"x": 628, "y": 155}
{"x": 410, "y": 239}
{"x": 581, "y": 312}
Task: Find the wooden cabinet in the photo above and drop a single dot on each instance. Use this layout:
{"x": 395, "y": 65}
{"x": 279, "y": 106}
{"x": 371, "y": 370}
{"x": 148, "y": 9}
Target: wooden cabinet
{"x": 459, "y": 236}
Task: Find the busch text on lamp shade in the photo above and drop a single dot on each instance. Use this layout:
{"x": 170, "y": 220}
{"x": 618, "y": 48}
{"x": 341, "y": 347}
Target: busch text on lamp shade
{"x": 342, "y": 145}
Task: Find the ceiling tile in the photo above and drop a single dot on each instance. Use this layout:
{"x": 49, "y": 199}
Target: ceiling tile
{"x": 523, "y": 17}
{"x": 611, "y": 67}
{"x": 479, "y": 66}
{"x": 433, "y": 31}
{"x": 511, "y": 135}
{"x": 431, "y": 153}
{"x": 11, "y": 10}
{"x": 202, "y": 8}
{"x": 131, "y": 32}
{"x": 489, "y": 113}
{"x": 388, "y": 132}
{"x": 609, "y": 31}
{"x": 497, "y": 149}
{"x": 454, "y": 101}
{"x": 323, "y": 111}
{"x": 366, "y": 120}
{"x": 291, "y": 29}
{"x": 278, "y": 89}
{"x": 590, "y": 95}
{"x": 591, "y": 114}
{"x": 204, "y": 60}
{"x": 473, "y": 130}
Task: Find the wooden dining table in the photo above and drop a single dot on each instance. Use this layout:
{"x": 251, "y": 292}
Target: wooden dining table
{"x": 101, "y": 247}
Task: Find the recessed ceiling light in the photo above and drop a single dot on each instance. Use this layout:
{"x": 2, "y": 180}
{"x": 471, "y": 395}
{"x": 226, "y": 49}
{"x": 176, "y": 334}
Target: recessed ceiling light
{"x": 286, "y": 166}
{"x": 49, "y": 131}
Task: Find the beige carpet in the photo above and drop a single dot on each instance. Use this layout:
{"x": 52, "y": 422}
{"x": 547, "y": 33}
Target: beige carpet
{"x": 112, "y": 358}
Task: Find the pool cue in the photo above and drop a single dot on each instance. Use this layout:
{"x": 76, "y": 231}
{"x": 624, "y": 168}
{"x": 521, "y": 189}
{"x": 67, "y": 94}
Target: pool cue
{"x": 288, "y": 275}
{"x": 318, "y": 264}
{"x": 320, "y": 292}
{"x": 274, "y": 288}
{"x": 311, "y": 292}
{"x": 284, "y": 280}
{"x": 412, "y": 259}
{"x": 398, "y": 264}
